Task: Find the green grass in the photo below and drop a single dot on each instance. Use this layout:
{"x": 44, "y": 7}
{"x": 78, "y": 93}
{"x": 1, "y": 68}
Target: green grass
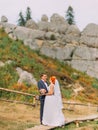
{"x": 72, "y": 126}
{"x": 14, "y": 125}
{"x": 66, "y": 93}
{"x": 8, "y": 75}
{"x": 95, "y": 83}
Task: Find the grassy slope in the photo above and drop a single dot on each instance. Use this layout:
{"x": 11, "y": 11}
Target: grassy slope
{"x": 35, "y": 63}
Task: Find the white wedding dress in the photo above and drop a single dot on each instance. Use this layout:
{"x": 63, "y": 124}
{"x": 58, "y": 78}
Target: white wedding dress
{"x": 52, "y": 115}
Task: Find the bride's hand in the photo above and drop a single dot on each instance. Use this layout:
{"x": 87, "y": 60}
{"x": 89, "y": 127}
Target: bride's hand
{"x": 42, "y": 91}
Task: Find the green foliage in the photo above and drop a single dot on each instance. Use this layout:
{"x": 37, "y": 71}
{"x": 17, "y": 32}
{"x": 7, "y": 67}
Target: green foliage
{"x": 21, "y": 20}
{"x": 4, "y": 43}
{"x": 6, "y": 39}
{"x": 66, "y": 93}
{"x": 8, "y": 76}
{"x": 95, "y": 83}
{"x": 52, "y": 37}
{"x": 28, "y": 14}
{"x": 14, "y": 48}
{"x": 27, "y": 61}
{"x": 70, "y": 15}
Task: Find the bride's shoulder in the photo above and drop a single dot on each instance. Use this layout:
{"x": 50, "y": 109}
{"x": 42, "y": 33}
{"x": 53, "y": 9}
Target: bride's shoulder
{"x": 51, "y": 85}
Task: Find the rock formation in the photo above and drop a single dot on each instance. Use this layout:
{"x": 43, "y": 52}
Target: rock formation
{"x": 58, "y": 39}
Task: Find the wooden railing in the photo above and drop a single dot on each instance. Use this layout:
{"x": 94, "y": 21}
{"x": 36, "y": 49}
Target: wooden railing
{"x": 71, "y": 105}
{"x": 81, "y": 104}
{"x": 35, "y": 98}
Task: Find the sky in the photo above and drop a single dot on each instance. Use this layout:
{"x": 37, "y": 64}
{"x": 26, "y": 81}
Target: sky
{"x": 85, "y": 11}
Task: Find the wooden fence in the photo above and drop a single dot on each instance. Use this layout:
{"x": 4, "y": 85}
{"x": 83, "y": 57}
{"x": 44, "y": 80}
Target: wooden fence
{"x": 71, "y": 105}
{"x": 35, "y": 98}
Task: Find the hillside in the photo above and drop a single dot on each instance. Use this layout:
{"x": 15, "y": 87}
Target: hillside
{"x": 18, "y": 55}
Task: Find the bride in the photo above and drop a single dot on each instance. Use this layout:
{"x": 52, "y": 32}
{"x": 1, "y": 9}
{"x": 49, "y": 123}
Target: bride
{"x": 52, "y": 114}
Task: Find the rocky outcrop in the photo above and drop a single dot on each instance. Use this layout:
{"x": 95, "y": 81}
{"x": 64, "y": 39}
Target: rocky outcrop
{"x": 26, "y": 77}
{"x": 31, "y": 24}
{"x": 57, "y": 19}
{"x": 23, "y": 33}
{"x": 89, "y": 36}
{"x": 58, "y": 39}
{"x": 63, "y": 53}
{"x": 85, "y": 59}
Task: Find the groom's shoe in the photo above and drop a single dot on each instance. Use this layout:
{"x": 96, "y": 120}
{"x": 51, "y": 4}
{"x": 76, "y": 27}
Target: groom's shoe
{"x": 41, "y": 123}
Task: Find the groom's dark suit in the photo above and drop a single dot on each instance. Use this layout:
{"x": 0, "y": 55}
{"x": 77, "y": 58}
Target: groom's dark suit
{"x": 41, "y": 85}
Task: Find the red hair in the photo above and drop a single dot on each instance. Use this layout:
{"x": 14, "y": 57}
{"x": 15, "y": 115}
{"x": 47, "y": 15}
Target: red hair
{"x": 53, "y": 78}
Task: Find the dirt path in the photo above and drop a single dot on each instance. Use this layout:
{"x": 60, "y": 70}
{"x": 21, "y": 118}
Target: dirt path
{"x": 23, "y": 113}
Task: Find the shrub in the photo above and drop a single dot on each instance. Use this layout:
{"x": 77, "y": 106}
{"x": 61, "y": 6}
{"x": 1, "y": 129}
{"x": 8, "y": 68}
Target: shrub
{"x": 95, "y": 83}
{"x": 52, "y": 37}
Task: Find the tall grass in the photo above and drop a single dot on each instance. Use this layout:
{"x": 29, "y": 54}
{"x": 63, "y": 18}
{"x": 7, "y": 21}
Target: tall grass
{"x": 8, "y": 75}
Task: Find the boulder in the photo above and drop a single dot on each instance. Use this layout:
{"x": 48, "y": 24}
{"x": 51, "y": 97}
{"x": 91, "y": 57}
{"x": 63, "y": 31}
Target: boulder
{"x": 56, "y": 51}
{"x": 44, "y": 18}
{"x": 31, "y": 24}
{"x": 85, "y": 53}
{"x": 23, "y": 33}
{"x": 4, "y": 19}
{"x": 89, "y": 36}
{"x": 57, "y": 19}
{"x": 25, "y": 76}
{"x": 43, "y": 26}
{"x": 33, "y": 44}
{"x": 72, "y": 35}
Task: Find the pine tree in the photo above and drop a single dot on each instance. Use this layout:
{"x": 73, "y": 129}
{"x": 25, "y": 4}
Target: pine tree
{"x": 70, "y": 15}
{"x": 21, "y": 20}
{"x": 28, "y": 14}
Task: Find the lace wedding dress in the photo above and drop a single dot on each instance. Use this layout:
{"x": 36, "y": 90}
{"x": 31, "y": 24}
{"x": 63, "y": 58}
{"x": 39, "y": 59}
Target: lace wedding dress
{"x": 52, "y": 115}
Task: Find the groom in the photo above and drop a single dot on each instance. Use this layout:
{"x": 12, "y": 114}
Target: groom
{"x": 42, "y": 86}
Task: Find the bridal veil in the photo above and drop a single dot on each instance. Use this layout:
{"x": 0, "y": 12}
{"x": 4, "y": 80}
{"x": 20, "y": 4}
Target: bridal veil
{"x": 58, "y": 94}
